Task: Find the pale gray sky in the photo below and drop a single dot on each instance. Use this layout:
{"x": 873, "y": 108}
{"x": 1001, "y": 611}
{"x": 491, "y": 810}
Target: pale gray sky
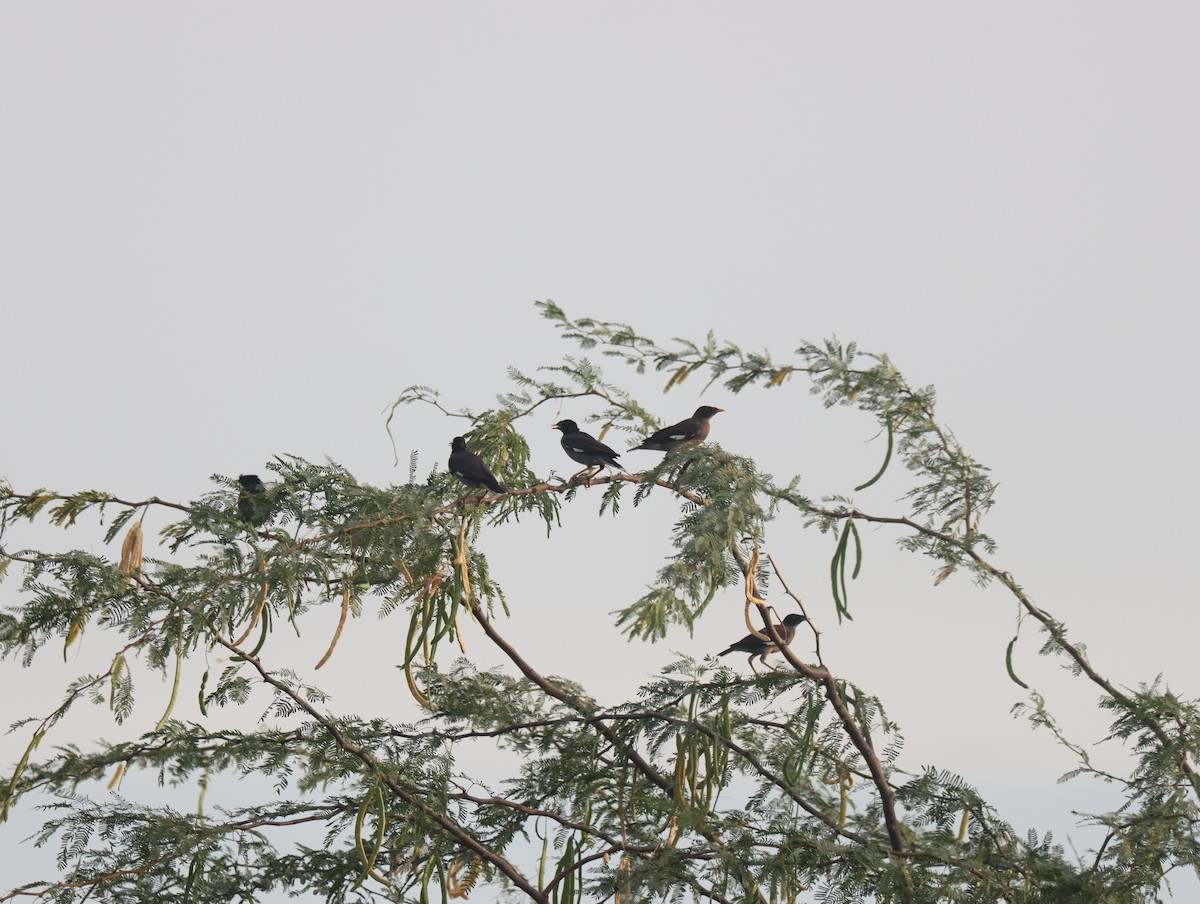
{"x": 232, "y": 230}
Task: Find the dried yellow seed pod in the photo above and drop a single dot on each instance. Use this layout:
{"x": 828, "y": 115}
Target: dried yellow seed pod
{"x": 131, "y": 552}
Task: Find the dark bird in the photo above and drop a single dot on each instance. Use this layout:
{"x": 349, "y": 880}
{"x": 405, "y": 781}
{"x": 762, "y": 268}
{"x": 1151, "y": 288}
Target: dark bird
{"x": 687, "y": 432}
{"x": 470, "y": 469}
{"x": 759, "y": 648}
{"x": 585, "y": 449}
{"x": 253, "y": 511}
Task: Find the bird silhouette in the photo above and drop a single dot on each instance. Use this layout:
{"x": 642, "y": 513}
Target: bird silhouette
{"x": 585, "y": 449}
{"x": 470, "y": 469}
{"x": 758, "y": 648}
{"x": 687, "y": 432}
{"x": 253, "y": 510}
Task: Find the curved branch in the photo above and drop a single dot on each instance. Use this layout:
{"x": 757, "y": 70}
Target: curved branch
{"x": 1051, "y": 624}
{"x": 858, "y": 738}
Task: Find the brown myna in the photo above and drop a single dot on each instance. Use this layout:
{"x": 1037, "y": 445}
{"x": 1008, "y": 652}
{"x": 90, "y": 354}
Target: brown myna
{"x": 585, "y": 449}
{"x": 470, "y": 469}
{"x": 759, "y": 648}
{"x": 687, "y": 432}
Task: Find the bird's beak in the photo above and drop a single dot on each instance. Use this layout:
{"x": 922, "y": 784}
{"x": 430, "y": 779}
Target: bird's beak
{"x": 554, "y": 426}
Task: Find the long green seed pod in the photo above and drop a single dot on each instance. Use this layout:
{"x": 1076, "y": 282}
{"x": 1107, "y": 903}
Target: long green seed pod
{"x": 857, "y": 550}
{"x": 373, "y": 798}
{"x": 203, "y": 704}
{"x": 175, "y": 684}
{"x": 887, "y": 458}
{"x": 1008, "y": 664}
{"x": 12, "y": 785}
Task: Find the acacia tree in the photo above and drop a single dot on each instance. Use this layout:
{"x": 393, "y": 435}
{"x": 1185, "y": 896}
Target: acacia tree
{"x": 624, "y": 801}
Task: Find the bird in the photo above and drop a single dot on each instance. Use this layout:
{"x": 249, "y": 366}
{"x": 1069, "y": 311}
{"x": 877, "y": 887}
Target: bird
{"x": 469, "y": 467}
{"x": 253, "y": 511}
{"x": 687, "y": 432}
{"x": 585, "y": 449}
{"x": 759, "y": 648}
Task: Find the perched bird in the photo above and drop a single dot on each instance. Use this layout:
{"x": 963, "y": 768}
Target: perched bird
{"x": 687, "y": 432}
{"x": 759, "y": 648}
{"x": 253, "y": 511}
{"x": 585, "y": 449}
{"x": 469, "y": 467}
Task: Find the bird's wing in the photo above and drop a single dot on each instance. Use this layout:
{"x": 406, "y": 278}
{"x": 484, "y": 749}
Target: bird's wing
{"x": 752, "y": 643}
{"x": 469, "y": 468}
{"x": 684, "y": 430}
{"x": 588, "y": 445}
{"x": 676, "y": 433}
{"x": 466, "y": 464}
{"x": 748, "y": 644}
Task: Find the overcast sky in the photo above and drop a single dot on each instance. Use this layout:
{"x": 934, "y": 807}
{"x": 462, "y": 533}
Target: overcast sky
{"x": 233, "y": 230}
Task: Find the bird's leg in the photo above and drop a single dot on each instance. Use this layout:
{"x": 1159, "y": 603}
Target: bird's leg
{"x": 571, "y": 479}
{"x": 750, "y": 660}
{"x": 594, "y": 470}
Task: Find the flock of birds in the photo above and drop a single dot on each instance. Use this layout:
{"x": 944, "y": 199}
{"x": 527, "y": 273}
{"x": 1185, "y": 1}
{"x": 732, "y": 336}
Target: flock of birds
{"x": 585, "y": 449}
{"x": 594, "y": 455}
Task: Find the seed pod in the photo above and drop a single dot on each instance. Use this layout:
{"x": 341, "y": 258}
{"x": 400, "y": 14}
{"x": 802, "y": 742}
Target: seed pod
{"x": 131, "y": 552}
{"x": 341, "y": 622}
{"x": 73, "y": 635}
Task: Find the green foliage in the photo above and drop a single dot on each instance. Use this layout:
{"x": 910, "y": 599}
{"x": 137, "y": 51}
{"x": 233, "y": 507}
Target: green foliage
{"x": 708, "y": 785}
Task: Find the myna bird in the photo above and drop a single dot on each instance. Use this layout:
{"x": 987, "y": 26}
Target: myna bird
{"x": 253, "y": 511}
{"x": 687, "y": 432}
{"x": 585, "y": 449}
{"x": 470, "y": 469}
{"x": 759, "y": 648}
